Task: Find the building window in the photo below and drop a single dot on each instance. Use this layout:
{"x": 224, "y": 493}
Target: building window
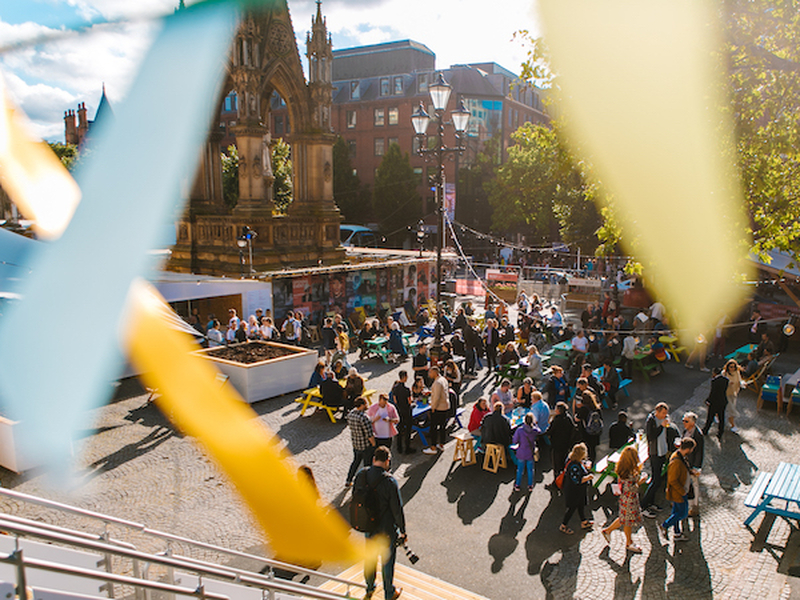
{"x": 422, "y": 83}
{"x": 379, "y": 146}
{"x": 351, "y": 119}
{"x": 354, "y": 92}
{"x": 398, "y": 86}
{"x": 414, "y": 145}
{"x": 418, "y": 174}
{"x": 431, "y": 177}
{"x": 351, "y": 148}
{"x": 222, "y": 126}
{"x": 231, "y": 123}
{"x": 380, "y": 118}
{"x": 394, "y": 116}
{"x": 278, "y": 126}
{"x": 394, "y": 141}
{"x": 384, "y": 86}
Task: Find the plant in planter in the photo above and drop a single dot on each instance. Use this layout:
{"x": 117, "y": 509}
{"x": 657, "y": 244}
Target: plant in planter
{"x": 260, "y": 370}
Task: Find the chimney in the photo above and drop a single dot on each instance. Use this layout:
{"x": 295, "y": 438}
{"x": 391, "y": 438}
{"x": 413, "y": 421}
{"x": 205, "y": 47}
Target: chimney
{"x": 83, "y": 123}
{"x": 70, "y": 134}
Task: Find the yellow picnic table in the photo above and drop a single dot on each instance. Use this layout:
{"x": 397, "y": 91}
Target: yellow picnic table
{"x": 313, "y": 397}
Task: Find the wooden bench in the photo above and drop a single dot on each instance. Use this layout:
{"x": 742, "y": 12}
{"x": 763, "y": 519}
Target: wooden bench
{"x": 757, "y": 491}
{"x": 495, "y": 458}
{"x": 465, "y": 449}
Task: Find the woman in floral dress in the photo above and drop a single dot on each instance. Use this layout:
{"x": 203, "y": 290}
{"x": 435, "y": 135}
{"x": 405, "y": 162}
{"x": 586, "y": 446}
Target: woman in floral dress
{"x": 629, "y": 473}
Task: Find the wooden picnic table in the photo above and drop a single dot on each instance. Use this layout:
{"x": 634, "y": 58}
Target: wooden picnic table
{"x": 313, "y": 397}
{"x": 771, "y": 489}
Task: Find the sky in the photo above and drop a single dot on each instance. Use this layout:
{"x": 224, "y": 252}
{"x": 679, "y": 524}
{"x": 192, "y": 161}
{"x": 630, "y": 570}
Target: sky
{"x": 47, "y": 79}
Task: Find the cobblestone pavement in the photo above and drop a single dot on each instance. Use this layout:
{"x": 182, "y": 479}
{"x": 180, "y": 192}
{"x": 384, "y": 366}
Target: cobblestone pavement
{"x": 468, "y": 525}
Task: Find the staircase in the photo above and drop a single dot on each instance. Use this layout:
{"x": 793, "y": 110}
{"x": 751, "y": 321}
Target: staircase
{"x": 416, "y": 585}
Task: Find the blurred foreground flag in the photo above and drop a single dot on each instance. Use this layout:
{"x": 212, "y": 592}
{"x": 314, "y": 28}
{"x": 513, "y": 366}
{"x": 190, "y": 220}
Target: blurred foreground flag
{"x": 642, "y": 90}
{"x": 297, "y": 527}
{"x": 33, "y": 175}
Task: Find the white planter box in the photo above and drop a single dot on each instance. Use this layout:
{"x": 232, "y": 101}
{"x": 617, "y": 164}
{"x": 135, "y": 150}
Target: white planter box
{"x": 269, "y": 378}
{"x": 9, "y": 448}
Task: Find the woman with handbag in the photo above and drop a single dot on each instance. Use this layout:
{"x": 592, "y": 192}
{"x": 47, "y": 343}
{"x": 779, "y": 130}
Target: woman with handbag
{"x": 629, "y": 478}
{"x": 576, "y": 481}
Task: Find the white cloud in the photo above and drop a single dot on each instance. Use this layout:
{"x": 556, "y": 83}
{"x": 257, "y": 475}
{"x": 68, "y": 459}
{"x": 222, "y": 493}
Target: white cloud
{"x": 73, "y": 68}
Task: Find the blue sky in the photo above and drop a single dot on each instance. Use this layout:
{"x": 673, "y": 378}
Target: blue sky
{"x": 48, "y": 79}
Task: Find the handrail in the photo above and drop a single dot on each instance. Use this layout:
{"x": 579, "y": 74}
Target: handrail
{"x": 141, "y": 528}
{"x": 16, "y": 558}
{"x": 57, "y": 529}
{"x": 200, "y": 567}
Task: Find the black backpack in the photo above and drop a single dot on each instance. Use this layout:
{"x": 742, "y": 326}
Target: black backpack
{"x": 594, "y": 425}
{"x": 364, "y": 506}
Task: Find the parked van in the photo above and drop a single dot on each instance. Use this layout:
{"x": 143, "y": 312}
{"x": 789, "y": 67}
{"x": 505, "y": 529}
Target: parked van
{"x": 358, "y": 235}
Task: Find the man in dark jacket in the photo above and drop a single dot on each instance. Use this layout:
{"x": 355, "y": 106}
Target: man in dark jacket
{"x": 610, "y": 382}
{"x": 620, "y": 432}
{"x": 401, "y": 397}
{"x": 717, "y": 401}
{"x": 472, "y": 343}
{"x": 556, "y": 388}
{"x": 391, "y": 521}
{"x": 660, "y": 442}
{"x": 491, "y": 338}
{"x": 562, "y": 433}
{"x": 495, "y": 428}
{"x": 695, "y": 460}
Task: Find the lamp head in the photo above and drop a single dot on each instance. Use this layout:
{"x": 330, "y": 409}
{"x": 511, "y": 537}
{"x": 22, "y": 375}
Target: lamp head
{"x": 420, "y": 120}
{"x": 440, "y": 92}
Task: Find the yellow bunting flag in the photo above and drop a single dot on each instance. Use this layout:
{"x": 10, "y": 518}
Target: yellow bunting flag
{"x": 33, "y": 175}
{"x": 298, "y": 529}
{"x": 641, "y": 90}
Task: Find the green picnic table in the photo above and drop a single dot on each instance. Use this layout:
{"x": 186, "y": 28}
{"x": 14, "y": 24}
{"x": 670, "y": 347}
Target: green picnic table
{"x": 605, "y": 467}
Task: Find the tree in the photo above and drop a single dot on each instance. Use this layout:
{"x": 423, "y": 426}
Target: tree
{"x": 347, "y": 191}
{"x": 230, "y": 176}
{"x": 396, "y": 203}
{"x": 282, "y": 171}
{"x": 472, "y": 205}
{"x": 763, "y": 51}
{"x": 541, "y": 191}
{"x": 67, "y": 153}
{"x": 762, "y": 54}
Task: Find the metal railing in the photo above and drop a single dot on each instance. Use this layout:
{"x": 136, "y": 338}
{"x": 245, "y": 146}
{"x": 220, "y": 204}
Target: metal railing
{"x": 109, "y": 546}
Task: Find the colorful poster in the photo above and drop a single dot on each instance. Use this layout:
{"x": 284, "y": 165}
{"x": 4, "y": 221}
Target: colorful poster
{"x": 367, "y": 290}
{"x": 337, "y": 284}
{"x": 450, "y": 201}
{"x": 282, "y": 298}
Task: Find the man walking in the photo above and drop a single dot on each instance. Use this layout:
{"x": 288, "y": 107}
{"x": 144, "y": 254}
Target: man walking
{"x": 401, "y": 396}
{"x": 440, "y": 408}
{"x": 717, "y": 401}
{"x": 391, "y": 521}
{"x": 660, "y": 438}
{"x": 362, "y": 437}
{"x": 695, "y": 460}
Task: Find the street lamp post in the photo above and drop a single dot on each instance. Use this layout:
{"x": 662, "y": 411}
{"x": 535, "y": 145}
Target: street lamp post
{"x": 246, "y": 240}
{"x": 440, "y": 95}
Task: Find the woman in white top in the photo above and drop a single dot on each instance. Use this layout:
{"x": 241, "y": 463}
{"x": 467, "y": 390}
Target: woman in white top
{"x": 734, "y": 374}
{"x": 267, "y": 331}
{"x": 534, "y": 364}
{"x": 252, "y": 328}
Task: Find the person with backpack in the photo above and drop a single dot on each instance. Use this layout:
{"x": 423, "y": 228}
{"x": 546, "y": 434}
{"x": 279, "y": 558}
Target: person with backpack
{"x": 587, "y": 410}
{"x": 576, "y": 481}
{"x": 562, "y": 436}
{"x": 377, "y": 509}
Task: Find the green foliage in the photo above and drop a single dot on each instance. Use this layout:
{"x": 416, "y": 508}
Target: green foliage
{"x": 230, "y": 176}
{"x": 542, "y": 192}
{"x": 763, "y": 52}
{"x": 282, "y": 171}
{"x": 67, "y": 153}
{"x": 762, "y": 55}
{"x": 472, "y": 206}
{"x": 396, "y": 203}
{"x": 347, "y": 191}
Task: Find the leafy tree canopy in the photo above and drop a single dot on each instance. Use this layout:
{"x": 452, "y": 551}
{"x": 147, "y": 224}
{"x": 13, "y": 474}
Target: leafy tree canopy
{"x": 230, "y": 176}
{"x": 282, "y": 171}
{"x": 542, "y": 192}
{"x": 473, "y": 207}
{"x": 762, "y": 56}
{"x": 396, "y": 203}
{"x": 347, "y": 191}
